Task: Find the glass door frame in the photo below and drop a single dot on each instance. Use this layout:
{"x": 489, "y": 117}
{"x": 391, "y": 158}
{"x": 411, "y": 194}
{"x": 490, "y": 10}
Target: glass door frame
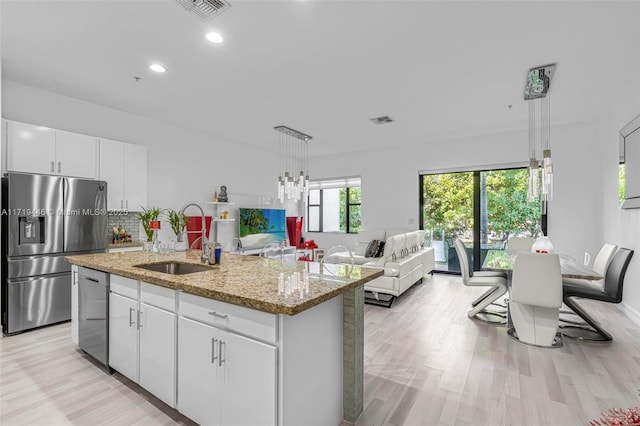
{"x": 476, "y": 206}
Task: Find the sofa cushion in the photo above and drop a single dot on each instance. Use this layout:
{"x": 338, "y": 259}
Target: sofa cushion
{"x": 398, "y": 245}
{"x": 379, "y": 249}
{"x": 411, "y": 242}
{"x": 363, "y": 239}
{"x": 372, "y": 248}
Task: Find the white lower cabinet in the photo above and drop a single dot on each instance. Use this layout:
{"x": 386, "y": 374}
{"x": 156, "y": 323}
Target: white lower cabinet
{"x": 248, "y": 380}
{"x": 142, "y": 337}
{"x": 227, "y": 361}
{"x": 123, "y": 335}
{"x": 158, "y": 352}
{"x": 198, "y": 372}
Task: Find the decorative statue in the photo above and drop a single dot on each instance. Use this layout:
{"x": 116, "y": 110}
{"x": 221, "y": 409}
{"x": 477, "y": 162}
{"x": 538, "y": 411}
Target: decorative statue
{"x": 222, "y": 197}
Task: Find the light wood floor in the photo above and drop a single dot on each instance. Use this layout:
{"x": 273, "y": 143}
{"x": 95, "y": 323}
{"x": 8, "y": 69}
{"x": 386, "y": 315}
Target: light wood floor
{"x": 426, "y": 363}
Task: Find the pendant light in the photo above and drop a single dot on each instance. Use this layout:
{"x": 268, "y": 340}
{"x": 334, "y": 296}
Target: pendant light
{"x": 293, "y": 181}
{"x": 540, "y": 180}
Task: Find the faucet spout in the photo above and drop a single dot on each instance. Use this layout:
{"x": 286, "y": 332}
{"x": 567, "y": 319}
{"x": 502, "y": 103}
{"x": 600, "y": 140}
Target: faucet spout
{"x": 206, "y": 255}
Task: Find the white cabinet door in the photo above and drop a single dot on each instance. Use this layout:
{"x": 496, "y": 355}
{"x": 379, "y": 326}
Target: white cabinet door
{"x": 30, "y": 149}
{"x": 158, "y": 352}
{"x": 112, "y": 171}
{"x": 75, "y": 332}
{"x": 248, "y": 380}
{"x": 76, "y": 155}
{"x": 198, "y": 371}
{"x": 123, "y": 335}
{"x": 135, "y": 177}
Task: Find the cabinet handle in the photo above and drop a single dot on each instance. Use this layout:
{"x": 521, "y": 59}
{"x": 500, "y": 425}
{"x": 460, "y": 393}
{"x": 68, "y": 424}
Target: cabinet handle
{"x": 75, "y": 277}
{"x": 59, "y": 167}
{"x": 213, "y": 350}
{"x": 126, "y": 204}
{"x": 121, "y": 204}
{"x": 52, "y": 167}
{"x": 220, "y": 360}
{"x": 215, "y": 314}
{"x": 139, "y": 315}
{"x": 130, "y": 321}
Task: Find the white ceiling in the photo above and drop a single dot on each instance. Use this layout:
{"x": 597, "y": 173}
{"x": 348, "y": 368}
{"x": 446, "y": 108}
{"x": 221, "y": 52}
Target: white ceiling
{"x": 440, "y": 69}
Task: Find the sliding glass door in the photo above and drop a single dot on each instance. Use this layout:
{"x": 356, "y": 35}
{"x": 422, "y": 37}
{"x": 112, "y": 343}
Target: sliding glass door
{"x": 482, "y": 208}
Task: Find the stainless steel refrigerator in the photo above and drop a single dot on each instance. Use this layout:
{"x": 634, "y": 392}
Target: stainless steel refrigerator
{"x": 45, "y": 218}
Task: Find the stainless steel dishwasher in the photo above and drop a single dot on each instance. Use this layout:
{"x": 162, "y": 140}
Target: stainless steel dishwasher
{"x": 93, "y": 314}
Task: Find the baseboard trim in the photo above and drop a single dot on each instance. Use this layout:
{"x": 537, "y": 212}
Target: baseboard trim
{"x": 630, "y": 312}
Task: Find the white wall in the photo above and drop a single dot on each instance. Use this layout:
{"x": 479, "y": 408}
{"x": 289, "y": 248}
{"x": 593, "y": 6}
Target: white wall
{"x": 183, "y": 166}
{"x": 390, "y": 180}
{"x": 621, "y": 226}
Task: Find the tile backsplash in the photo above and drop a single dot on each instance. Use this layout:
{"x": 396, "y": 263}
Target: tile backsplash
{"x": 129, "y": 221}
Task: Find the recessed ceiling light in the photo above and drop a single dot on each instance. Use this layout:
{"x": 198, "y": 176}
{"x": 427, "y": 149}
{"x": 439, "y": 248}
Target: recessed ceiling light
{"x": 214, "y": 37}
{"x": 157, "y": 68}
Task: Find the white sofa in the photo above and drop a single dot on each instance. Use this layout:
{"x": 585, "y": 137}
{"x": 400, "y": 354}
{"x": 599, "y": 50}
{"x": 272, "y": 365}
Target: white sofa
{"x": 404, "y": 260}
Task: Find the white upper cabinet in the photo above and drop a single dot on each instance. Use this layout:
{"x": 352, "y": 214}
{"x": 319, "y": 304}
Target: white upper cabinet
{"x": 76, "y": 155}
{"x": 124, "y": 167}
{"x": 112, "y": 171}
{"x": 39, "y": 149}
{"x": 30, "y": 149}
{"x": 135, "y": 177}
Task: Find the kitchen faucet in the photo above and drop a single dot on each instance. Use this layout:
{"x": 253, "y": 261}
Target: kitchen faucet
{"x": 206, "y": 252}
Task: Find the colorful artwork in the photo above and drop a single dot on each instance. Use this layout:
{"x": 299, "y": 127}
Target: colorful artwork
{"x": 260, "y": 227}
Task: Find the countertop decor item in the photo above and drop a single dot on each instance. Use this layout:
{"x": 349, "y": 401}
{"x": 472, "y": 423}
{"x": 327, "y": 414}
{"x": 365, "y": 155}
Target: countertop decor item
{"x": 223, "y": 197}
{"x": 542, "y": 245}
{"x": 178, "y": 222}
{"x": 147, "y": 216}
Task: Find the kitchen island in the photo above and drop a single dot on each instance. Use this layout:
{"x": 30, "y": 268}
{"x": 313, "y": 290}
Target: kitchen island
{"x": 288, "y": 339}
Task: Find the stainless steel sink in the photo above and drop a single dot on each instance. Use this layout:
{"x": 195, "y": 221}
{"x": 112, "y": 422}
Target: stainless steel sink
{"x": 174, "y": 268}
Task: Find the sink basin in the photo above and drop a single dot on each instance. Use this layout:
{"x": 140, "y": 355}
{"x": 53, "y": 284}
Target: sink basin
{"x": 174, "y": 268}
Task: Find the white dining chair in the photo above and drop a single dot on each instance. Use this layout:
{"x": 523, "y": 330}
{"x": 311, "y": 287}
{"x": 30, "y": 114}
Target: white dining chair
{"x": 516, "y": 244}
{"x": 535, "y": 299}
{"x": 600, "y": 265}
{"x": 498, "y": 288}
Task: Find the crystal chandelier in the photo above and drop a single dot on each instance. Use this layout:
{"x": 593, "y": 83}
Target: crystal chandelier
{"x": 540, "y": 181}
{"x": 293, "y": 182}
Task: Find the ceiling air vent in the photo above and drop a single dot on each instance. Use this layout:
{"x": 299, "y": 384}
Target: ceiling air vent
{"x": 205, "y": 9}
{"x": 382, "y": 120}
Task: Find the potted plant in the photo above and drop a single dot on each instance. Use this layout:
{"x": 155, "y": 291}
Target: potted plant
{"x": 147, "y": 216}
{"x": 178, "y": 222}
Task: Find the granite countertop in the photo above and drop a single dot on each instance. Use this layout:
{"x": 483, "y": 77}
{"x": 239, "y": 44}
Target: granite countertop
{"x": 250, "y": 281}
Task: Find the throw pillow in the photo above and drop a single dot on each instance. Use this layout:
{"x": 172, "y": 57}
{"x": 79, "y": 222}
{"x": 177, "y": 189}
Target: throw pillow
{"x": 380, "y": 249}
{"x": 371, "y": 249}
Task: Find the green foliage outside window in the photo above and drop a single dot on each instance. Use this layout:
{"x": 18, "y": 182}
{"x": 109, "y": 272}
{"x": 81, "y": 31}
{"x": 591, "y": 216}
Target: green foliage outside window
{"x": 448, "y": 204}
{"x": 353, "y": 207}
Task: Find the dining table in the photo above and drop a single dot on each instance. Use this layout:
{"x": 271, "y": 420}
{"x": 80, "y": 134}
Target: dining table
{"x": 502, "y": 261}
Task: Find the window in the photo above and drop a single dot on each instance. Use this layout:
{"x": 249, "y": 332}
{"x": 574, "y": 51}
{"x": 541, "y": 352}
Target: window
{"x": 484, "y": 208}
{"x": 334, "y": 205}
